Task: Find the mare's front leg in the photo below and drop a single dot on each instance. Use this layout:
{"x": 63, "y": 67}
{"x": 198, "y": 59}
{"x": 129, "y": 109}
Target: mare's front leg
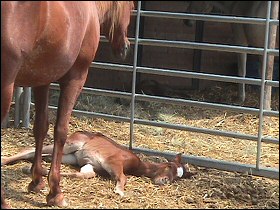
{"x": 6, "y": 98}
{"x": 71, "y": 86}
{"x": 40, "y": 129}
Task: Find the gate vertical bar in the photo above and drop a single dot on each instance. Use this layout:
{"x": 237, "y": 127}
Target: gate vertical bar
{"x": 134, "y": 75}
{"x": 140, "y": 47}
{"x": 26, "y": 107}
{"x": 18, "y": 93}
{"x": 264, "y": 64}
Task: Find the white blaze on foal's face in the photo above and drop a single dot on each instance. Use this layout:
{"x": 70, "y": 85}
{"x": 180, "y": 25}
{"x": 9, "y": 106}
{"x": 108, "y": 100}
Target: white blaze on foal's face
{"x": 180, "y": 172}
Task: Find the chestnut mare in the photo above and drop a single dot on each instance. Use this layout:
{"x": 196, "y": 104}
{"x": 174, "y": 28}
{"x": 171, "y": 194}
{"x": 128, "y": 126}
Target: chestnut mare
{"x": 96, "y": 153}
{"x": 48, "y": 41}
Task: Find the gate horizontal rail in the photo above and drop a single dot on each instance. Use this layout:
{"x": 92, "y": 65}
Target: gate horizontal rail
{"x": 205, "y": 17}
{"x": 174, "y": 126}
{"x": 201, "y": 46}
{"x": 183, "y": 73}
{"x": 176, "y": 101}
{"x": 217, "y": 164}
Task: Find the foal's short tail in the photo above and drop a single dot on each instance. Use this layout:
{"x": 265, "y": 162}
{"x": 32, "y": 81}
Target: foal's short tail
{"x": 26, "y": 154}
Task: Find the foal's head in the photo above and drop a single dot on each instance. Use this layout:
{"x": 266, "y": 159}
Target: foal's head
{"x": 116, "y": 24}
{"x": 170, "y": 171}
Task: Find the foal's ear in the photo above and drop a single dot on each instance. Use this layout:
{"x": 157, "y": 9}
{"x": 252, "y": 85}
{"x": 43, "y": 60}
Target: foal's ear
{"x": 178, "y": 158}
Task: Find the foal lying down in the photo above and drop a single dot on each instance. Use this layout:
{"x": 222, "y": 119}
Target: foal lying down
{"x": 95, "y": 153}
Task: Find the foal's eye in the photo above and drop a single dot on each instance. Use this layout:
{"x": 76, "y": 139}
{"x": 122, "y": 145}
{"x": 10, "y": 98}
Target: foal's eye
{"x": 168, "y": 168}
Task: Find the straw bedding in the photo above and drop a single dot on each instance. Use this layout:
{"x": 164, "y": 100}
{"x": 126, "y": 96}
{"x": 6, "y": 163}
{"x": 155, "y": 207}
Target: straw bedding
{"x": 209, "y": 188}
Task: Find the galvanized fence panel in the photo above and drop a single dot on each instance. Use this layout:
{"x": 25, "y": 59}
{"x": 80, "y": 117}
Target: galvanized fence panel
{"x": 133, "y": 96}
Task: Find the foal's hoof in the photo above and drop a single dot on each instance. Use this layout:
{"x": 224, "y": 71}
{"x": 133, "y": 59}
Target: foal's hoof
{"x": 33, "y": 187}
{"x": 120, "y": 192}
{"x": 57, "y": 200}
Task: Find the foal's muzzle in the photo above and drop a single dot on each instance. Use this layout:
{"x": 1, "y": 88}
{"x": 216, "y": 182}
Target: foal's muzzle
{"x": 162, "y": 180}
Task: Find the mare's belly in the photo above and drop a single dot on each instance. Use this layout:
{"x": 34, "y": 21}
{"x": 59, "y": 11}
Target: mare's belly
{"x": 41, "y": 73}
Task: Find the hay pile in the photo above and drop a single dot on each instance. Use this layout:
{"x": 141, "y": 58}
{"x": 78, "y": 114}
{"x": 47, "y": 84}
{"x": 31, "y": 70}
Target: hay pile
{"x": 210, "y": 188}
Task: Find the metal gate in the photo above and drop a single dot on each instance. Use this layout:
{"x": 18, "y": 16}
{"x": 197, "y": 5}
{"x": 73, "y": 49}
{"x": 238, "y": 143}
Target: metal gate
{"x": 133, "y": 96}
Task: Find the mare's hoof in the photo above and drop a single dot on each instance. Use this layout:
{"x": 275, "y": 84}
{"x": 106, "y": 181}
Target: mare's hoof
{"x": 26, "y": 170}
{"x": 5, "y": 206}
{"x": 32, "y": 187}
{"x": 57, "y": 200}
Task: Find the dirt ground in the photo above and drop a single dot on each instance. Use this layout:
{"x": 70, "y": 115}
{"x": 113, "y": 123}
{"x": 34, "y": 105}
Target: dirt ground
{"x": 209, "y": 188}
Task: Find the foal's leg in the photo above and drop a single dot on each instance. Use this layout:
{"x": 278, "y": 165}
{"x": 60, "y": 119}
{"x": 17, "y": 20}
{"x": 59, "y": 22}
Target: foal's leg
{"x": 40, "y": 129}
{"x": 71, "y": 86}
{"x": 121, "y": 182}
{"x": 80, "y": 175}
{"x": 116, "y": 171}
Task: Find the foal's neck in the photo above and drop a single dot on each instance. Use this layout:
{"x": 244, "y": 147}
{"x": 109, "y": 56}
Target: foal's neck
{"x": 147, "y": 169}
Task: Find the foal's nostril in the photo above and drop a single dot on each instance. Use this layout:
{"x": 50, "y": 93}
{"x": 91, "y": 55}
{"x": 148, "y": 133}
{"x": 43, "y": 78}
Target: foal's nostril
{"x": 167, "y": 181}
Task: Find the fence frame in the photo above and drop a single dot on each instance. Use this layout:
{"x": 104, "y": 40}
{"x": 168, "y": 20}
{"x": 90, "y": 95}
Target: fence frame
{"x": 196, "y": 160}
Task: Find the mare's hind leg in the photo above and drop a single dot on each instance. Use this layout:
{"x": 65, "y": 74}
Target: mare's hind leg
{"x": 40, "y": 129}
{"x": 71, "y": 85}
